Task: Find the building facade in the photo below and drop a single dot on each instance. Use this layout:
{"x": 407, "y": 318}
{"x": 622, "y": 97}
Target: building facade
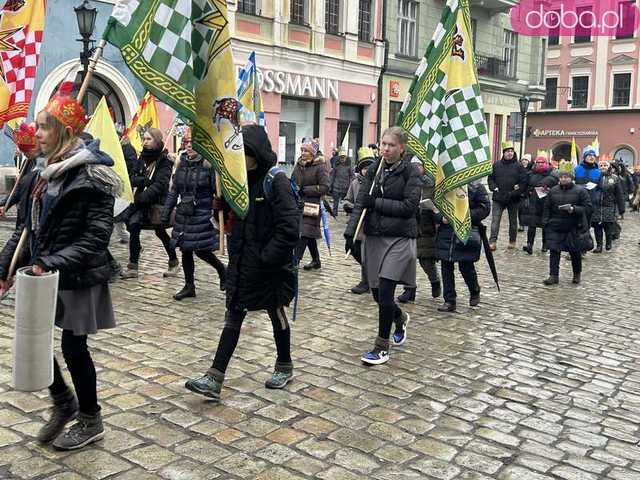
{"x": 509, "y": 65}
{"x": 592, "y": 91}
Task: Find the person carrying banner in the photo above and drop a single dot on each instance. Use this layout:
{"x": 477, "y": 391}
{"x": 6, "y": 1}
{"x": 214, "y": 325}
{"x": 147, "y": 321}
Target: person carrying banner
{"x": 69, "y": 223}
{"x": 390, "y": 195}
{"x": 261, "y": 272}
{"x": 192, "y": 189}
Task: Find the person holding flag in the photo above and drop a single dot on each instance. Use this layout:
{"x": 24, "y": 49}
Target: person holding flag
{"x": 388, "y": 200}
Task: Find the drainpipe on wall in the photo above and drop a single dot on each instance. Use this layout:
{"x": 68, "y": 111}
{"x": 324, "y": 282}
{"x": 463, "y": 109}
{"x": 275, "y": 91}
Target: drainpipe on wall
{"x": 383, "y": 69}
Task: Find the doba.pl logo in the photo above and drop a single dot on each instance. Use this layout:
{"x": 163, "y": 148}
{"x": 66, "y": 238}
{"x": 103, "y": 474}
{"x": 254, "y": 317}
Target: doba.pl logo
{"x": 543, "y": 18}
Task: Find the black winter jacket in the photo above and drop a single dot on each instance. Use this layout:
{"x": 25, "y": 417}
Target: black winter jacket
{"x": 341, "y": 177}
{"x": 426, "y": 223}
{"x": 509, "y": 177}
{"x": 558, "y": 223}
{"x": 448, "y": 247}
{"x": 149, "y": 190}
{"x": 75, "y": 234}
{"x": 261, "y": 274}
{"x": 608, "y": 199}
{"x": 532, "y": 207}
{"x": 397, "y": 197}
{"x": 194, "y": 184}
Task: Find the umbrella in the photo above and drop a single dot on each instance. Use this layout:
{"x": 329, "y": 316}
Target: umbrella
{"x": 325, "y": 227}
{"x": 489, "y": 254}
{"x": 296, "y": 265}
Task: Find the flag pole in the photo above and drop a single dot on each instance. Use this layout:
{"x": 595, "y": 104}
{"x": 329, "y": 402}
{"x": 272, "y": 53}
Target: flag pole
{"x": 364, "y": 210}
{"x": 92, "y": 68}
{"x": 220, "y": 216}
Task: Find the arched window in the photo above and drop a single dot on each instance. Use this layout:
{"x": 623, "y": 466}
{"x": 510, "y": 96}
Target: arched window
{"x": 562, "y": 151}
{"x": 627, "y": 156}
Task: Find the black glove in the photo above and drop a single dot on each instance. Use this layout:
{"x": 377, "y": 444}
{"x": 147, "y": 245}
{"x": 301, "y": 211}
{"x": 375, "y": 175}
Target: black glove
{"x": 348, "y": 243}
{"x": 368, "y": 201}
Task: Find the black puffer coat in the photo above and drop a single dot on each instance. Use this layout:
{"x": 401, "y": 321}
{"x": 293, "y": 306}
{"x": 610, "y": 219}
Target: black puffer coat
{"x": 313, "y": 181}
{"x": 509, "y": 177}
{"x": 341, "y": 177}
{"x": 151, "y": 184}
{"x": 193, "y": 183}
{"x": 448, "y": 247}
{"x": 260, "y": 274}
{"x": 558, "y": 223}
{"x": 397, "y": 197}
{"x": 75, "y": 234}
{"x": 532, "y": 207}
{"x": 608, "y": 199}
{"x": 426, "y": 223}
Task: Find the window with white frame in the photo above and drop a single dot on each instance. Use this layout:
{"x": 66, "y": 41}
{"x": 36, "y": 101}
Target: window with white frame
{"x": 510, "y": 53}
{"x": 364, "y": 20}
{"x": 627, "y": 12}
{"x": 299, "y": 12}
{"x": 250, "y": 7}
{"x": 407, "y": 27}
{"x": 621, "y": 89}
{"x": 580, "y": 92}
{"x": 332, "y": 16}
{"x": 551, "y": 93}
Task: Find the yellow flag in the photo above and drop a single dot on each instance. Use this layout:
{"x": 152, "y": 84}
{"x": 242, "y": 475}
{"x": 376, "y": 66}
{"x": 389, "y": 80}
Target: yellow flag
{"x": 101, "y": 127}
{"x": 145, "y": 117}
{"x": 574, "y": 152}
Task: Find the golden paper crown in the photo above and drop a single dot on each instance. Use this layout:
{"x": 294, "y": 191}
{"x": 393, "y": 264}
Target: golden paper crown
{"x": 25, "y": 137}
{"x": 566, "y": 167}
{"x": 68, "y": 112}
{"x": 508, "y": 144}
{"x": 542, "y": 154}
{"x": 365, "y": 152}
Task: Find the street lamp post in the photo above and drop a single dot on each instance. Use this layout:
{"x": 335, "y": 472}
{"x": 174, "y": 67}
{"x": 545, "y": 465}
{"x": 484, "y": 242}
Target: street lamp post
{"x": 86, "y": 16}
{"x": 524, "y": 108}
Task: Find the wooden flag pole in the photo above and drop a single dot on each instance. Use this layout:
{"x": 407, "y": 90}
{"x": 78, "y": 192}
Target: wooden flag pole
{"x": 15, "y": 185}
{"x": 92, "y": 68}
{"x": 220, "y": 216}
{"x": 364, "y": 210}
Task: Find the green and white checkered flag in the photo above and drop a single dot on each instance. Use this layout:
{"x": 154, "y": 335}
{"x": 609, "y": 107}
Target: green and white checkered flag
{"x": 443, "y": 115}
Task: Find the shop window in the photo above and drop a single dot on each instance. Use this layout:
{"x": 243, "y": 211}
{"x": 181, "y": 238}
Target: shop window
{"x": 554, "y": 33}
{"x": 582, "y": 33}
{"x": 580, "y": 92}
{"x": 626, "y": 155}
{"x": 298, "y": 119}
{"x": 350, "y": 126}
{"x": 511, "y": 52}
{"x": 364, "y": 20}
{"x": 299, "y": 13}
{"x": 407, "y": 27}
{"x": 249, "y": 7}
{"x": 551, "y": 95}
{"x": 621, "y": 89}
{"x": 628, "y": 24}
{"x": 394, "y": 112}
{"x": 332, "y": 16}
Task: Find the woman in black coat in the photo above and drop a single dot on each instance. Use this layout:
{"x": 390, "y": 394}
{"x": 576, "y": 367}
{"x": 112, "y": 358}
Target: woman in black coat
{"x": 193, "y": 232}
{"x": 150, "y": 182}
{"x": 608, "y": 202}
{"x": 261, "y": 274}
{"x": 69, "y": 220}
{"x": 566, "y": 210}
{"x": 390, "y": 228}
{"x": 541, "y": 179}
{"x": 450, "y": 250}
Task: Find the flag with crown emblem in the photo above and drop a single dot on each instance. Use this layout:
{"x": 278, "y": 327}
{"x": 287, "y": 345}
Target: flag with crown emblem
{"x": 146, "y": 117}
{"x": 21, "y": 31}
{"x": 180, "y": 50}
{"x": 444, "y": 117}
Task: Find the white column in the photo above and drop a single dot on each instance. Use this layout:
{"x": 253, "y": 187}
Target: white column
{"x": 599, "y": 75}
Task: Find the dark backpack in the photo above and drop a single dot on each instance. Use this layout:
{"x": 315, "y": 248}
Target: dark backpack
{"x": 267, "y": 187}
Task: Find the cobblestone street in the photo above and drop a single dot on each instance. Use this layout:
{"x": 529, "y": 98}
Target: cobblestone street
{"x": 538, "y": 383}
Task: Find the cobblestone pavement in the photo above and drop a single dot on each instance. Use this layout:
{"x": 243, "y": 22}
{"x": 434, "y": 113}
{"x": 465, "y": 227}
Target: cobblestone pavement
{"x": 537, "y": 383}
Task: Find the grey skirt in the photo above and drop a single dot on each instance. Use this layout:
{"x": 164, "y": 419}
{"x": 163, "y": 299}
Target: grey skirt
{"x": 393, "y": 258}
{"x": 85, "y": 311}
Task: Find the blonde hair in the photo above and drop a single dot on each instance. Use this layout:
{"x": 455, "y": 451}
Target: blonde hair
{"x": 66, "y": 141}
{"x": 156, "y": 134}
{"x": 397, "y": 132}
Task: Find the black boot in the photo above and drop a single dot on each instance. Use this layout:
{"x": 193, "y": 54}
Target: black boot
{"x": 552, "y": 280}
{"x": 436, "y": 289}
{"x": 528, "y": 248}
{"x": 608, "y": 245}
{"x": 409, "y": 295}
{"x": 188, "y": 291}
{"x": 474, "y": 299}
{"x": 576, "y": 278}
{"x": 65, "y": 409}
{"x": 447, "y": 307}
{"x": 313, "y": 265}
{"x": 361, "y": 288}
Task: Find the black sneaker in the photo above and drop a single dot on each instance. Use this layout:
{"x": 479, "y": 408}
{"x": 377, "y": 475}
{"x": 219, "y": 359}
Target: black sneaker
{"x": 65, "y": 409}
{"x": 360, "y": 289}
{"x": 188, "y": 291}
{"x": 552, "y": 280}
{"x": 409, "y": 295}
{"x": 313, "y": 265}
{"x": 474, "y": 299}
{"x": 528, "y": 248}
{"x": 86, "y": 430}
{"x": 447, "y": 307}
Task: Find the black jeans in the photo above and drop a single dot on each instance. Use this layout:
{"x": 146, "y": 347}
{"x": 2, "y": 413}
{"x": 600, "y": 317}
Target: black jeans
{"x": 388, "y": 310}
{"x": 189, "y": 266}
{"x": 313, "y": 249}
{"x": 135, "y": 247}
{"x": 83, "y": 373}
{"x": 231, "y": 333}
{"x": 554, "y": 263}
{"x": 468, "y": 271}
{"x": 496, "y": 216}
{"x": 336, "y": 201}
{"x": 531, "y": 236}
{"x": 603, "y": 229}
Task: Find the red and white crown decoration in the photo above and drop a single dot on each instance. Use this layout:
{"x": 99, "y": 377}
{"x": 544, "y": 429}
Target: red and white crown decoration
{"x": 24, "y": 137}
{"x": 67, "y": 109}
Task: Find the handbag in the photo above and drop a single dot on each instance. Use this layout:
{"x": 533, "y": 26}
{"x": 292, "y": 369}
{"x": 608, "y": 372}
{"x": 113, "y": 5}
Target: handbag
{"x": 580, "y": 240}
{"x": 311, "y": 209}
{"x": 187, "y": 206}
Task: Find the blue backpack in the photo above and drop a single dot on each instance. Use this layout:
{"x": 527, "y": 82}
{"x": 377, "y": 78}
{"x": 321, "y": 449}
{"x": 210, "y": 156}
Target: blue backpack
{"x": 267, "y": 185}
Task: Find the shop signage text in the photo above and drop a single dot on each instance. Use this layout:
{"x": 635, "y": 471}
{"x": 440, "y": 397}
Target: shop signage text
{"x": 540, "y": 132}
{"x": 297, "y": 85}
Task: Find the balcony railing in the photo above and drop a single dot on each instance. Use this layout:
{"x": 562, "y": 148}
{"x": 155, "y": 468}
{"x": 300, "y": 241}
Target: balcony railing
{"x": 493, "y": 67}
